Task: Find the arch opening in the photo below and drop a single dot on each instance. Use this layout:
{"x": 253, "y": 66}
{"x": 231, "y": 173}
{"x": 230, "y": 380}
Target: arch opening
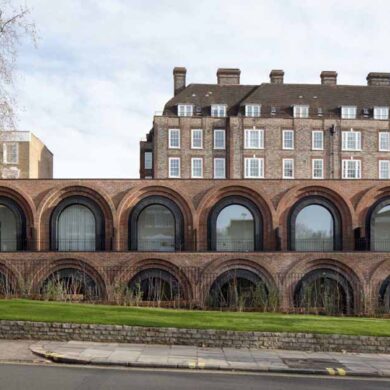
{"x": 7, "y": 287}
{"x": 384, "y": 297}
{"x": 379, "y": 227}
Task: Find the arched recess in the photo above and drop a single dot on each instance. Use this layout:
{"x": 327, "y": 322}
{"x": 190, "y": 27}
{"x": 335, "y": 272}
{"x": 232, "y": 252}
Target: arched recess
{"x": 8, "y": 282}
{"x": 77, "y": 224}
{"x": 168, "y": 236}
{"x": 324, "y": 290}
{"x": 384, "y": 296}
{"x": 378, "y": 225}
{"x": 13, "y": 226}
{"x": 314, "y": 224}
{"x": 235, "y": 224}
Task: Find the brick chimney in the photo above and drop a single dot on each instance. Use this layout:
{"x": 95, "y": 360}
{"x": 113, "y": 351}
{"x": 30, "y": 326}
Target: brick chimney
{"x": 328, "y": 77}
{"x": 228, "y": 76}
{"x": 378, "y": 79}
{"x": 179, "y": 79}
{"x": 276, "y": 76}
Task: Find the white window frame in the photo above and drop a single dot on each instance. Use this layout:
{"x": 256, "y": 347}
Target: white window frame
{"x": 380, "y": 163}
{"x": 247, "y": 172}
{"x": 380, "y": 145}
{"x": 381, "y": 113}
{"x": 219, "y": 159}
{"x": 284, "y": 147}
{"x": 170, "y": 132}
{"x": 218, "y": 110}
{"x": 193, "y": 160}
{"x": 357, "y": 141}
{"x": 6, "y": 160}
{"x": 358, "y": 169}
{"x": 301, "y": 111}
{"x": 170, "y": 160}
{"x": 314, "y": 168}
{"x": 292, "y": 168}
{"x": 185, "y": 110}
{"x": 253, "y": 110}
{"x": 222, "y": 131}
{"x": 248, "y": 139}
{"x": 348, "y": 112}
{"x": 313, "y": 140}
{"x": 193, "y": 132}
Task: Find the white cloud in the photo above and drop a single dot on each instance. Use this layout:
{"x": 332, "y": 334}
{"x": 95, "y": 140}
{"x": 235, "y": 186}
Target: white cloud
{"x": 103, "y": 67}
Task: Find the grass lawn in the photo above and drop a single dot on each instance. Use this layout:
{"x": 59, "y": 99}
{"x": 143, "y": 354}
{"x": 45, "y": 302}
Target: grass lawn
{"x": 27, "y": 310}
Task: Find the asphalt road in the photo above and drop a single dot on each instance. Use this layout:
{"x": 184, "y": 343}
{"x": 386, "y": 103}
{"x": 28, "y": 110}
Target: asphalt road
{"x": 35, "y": 377}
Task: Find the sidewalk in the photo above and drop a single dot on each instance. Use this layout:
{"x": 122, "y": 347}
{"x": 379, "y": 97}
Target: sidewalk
{"x": 228, "y": 359}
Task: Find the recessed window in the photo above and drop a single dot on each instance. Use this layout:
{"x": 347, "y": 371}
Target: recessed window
{"x": 384, "y": 169}
{"x": 148, "y": 160}
{"x": 288, "y": 168}
{"x": 185, "y": 109}
{"x": 381, "y": 113}
{"x": 384, "y": 141}
{"x": 253, "y": 110}
{"x": 174, "y": 138}
{"x": 197, "y": 168}
{"x": 218, "y": 110}
{"x": 317, "y": 168}
{"x": 219, "y": 139}
{"x": 351, "y": 140}
{"x": 288, "y": 139}
{"x": 196, "y": 138}
{"x": 10, "y": 153}
{"x": 254, "y": 138}
{"x": 317, "y": 140}
{"x": 348, "y": 112}
{"x": 174, "y": 167}
{"x": 254, "y": 168}
{"x": 219, "y": 168}
{"x": 301, "y": 111}
{"x": 352, "y": 169}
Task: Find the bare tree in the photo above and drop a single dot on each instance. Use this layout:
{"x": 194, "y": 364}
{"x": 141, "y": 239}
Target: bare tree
{"x": 15, "y": 24}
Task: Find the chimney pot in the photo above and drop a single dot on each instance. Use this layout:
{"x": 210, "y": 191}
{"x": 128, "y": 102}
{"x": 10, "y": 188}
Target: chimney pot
{"x": 228, "y": 76}
{"x": 276, "y": 76}
{"x": 328, "y": 77}
{"x": 378, "y": 79}
{"x": 179, "y": 79}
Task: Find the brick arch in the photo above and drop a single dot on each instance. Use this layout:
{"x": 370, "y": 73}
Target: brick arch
{"x": 260, "y": 200}
{"x": 296, "y": 194}
{"x": 134, "y": 196}
{"x": 220, "y": 265}
{"x": 12, "y": 275}
{"x": 298, "y": 271}
{"x": 57, "y": 195}
{"x": 79, "y": 264}
{"x": 377, "y": 278}
{"x": 131, "y": 269}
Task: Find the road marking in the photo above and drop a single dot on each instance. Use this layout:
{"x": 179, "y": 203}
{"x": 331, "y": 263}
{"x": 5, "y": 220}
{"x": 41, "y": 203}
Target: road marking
{"x": 331, "y": 371}
{"x": 341, "y": 371}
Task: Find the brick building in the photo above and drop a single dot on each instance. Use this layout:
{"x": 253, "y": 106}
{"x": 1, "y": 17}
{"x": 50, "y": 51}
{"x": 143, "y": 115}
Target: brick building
{"x": 272, "y": 130}
{"x": 24, "y": 156}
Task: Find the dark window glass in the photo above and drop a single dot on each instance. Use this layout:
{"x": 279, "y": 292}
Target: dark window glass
{"x": 8, "y": 229}
{"x": 235, "y": 229}
{"x": 380, "y": 233}
{"x": 314, "y": 229}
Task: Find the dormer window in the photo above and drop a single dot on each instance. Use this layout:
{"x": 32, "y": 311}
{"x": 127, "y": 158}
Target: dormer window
{"x": 218, "y": 110}
{"x": 381, "y": 113}
{"x": 301, "y": 111}
{"x": 185, "y": 109}
{"x": 252, "y": 110}
{"x": 348, "y": 112}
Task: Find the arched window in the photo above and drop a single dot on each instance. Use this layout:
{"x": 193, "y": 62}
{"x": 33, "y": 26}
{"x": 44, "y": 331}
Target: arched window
{"x": 384, "y": 296}
{"x": 155, "y": 285}
{"x": 379, "y": 231}
{"x": 315, "y": 226}
{"x": 156, "y": 224}
{"x": 235, "y": 226}
{"x": 12, "y": 226}
{"x": 77, "y": 225}
{"x": 324, "y": 291}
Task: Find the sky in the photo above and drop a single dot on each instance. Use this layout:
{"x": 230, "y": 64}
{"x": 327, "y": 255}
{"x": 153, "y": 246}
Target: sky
{"x": 102, "y": 68}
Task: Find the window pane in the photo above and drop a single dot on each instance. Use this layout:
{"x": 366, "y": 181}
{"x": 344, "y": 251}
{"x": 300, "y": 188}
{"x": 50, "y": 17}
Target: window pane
{"x": 156, "y": 229}
{"x": 219, "y": 168}
{"x": 314, "y": 229}
{"x": 148, "y": 160}
{"x": 235, "y": 229}
{"x": 380, "y": 233}
{"x": 219, "y": 139}
{"x": 8, "y": 229}
{"x": 174, "y": 167}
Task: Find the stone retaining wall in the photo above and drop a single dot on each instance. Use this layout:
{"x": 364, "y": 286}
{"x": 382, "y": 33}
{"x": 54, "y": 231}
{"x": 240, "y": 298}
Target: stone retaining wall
{"x": 197, "y": 337}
